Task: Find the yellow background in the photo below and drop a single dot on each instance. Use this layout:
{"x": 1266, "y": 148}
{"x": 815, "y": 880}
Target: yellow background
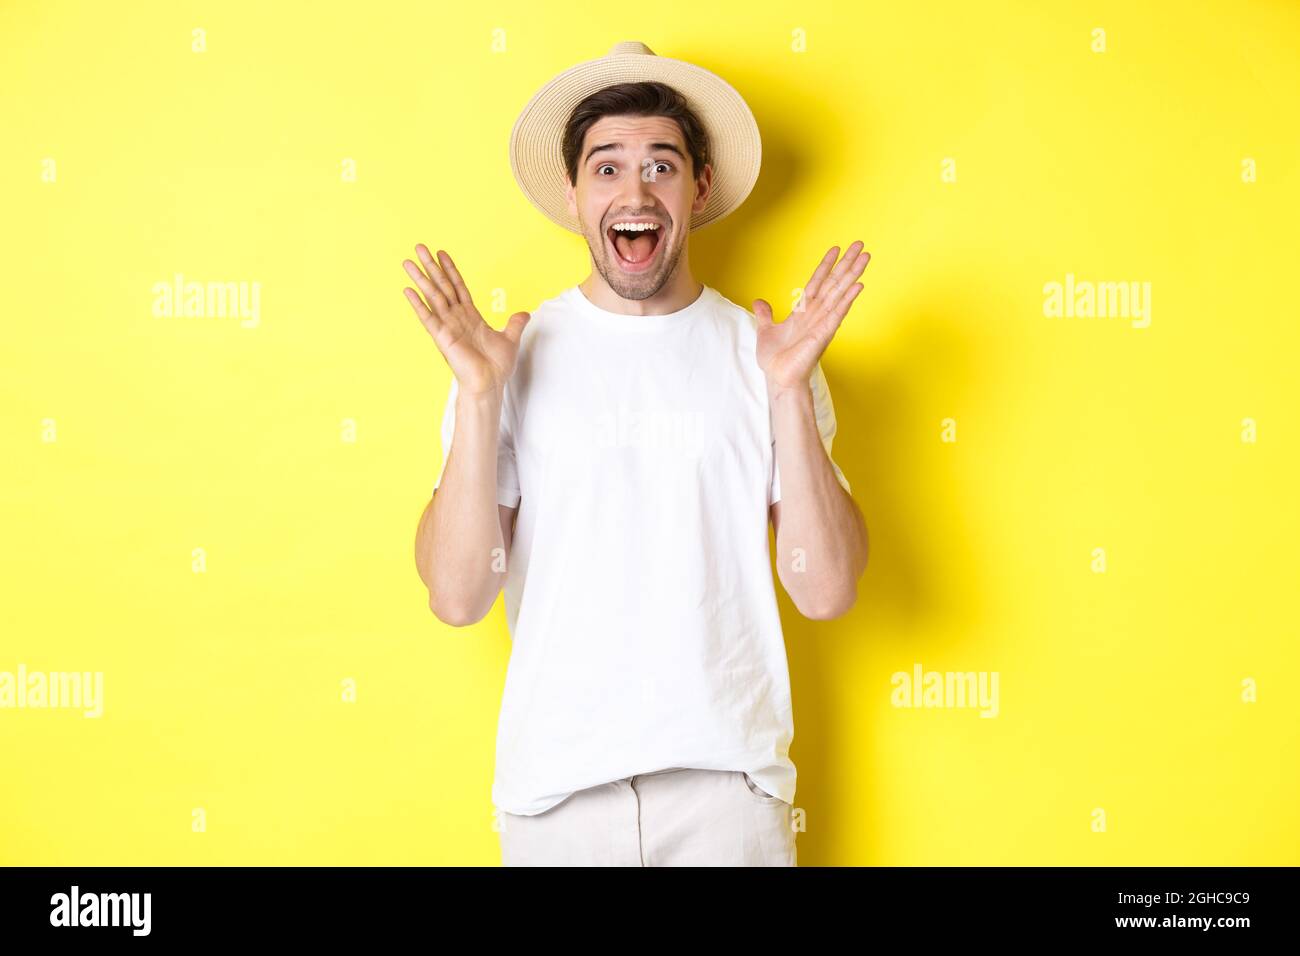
{"x": 1119, "y": 690}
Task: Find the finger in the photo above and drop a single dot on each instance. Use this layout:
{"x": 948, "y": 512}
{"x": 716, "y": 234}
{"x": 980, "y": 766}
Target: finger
{"x": 435, "y": 274}
{"x": 846, "y": 301}
{"x": 838, "y": 284}
{"x": 762, "y": 312}
{"x": 433, "y": 299}
{"x": 437, "y": 304}
{"x": 818, "y": 276}
{"x": 427, "y": 318}
{"x": 841, "y": 309}
{"x": 515, "y": 326}
{"x": 456, "y": 280}
{"x": 837, "y": 276}
{"x": 821, "y": 334}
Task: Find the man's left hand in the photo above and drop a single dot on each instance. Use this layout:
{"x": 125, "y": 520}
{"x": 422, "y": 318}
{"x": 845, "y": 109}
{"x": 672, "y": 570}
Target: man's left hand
{"x": 788, "y": 353}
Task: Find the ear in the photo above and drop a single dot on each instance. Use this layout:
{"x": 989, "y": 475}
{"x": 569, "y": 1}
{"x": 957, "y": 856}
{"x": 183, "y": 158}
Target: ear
{"x": 570, "y": 196}
{"x": 703, "y": 186}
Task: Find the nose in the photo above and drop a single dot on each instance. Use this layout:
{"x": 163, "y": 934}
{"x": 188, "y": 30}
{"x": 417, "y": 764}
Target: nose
{"x": 637, "y": 194}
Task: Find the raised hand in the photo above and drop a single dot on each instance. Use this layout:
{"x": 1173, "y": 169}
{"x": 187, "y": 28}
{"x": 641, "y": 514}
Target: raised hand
{"x": 788, "y": 353}
{"x": 480, "y": 357}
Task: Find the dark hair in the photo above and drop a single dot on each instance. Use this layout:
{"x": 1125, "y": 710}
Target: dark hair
{"x": 648, "y": 98}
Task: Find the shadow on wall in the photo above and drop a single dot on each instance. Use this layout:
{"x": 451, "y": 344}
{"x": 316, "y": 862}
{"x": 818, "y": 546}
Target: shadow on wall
{"x": 917, "y": 516}
{"x": 918, "y": 523}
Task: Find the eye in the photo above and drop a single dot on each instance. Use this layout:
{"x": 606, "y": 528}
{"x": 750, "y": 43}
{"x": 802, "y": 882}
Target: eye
{"x": 667, "y": 165}
{"x": 603, "y": 166}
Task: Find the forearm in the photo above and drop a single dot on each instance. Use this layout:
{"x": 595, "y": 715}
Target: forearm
{"x": 821, "y": 538}
{"x": 459, "y": 549}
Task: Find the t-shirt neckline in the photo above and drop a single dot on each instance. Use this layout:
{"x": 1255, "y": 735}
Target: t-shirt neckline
{"x": 669, "y": 320}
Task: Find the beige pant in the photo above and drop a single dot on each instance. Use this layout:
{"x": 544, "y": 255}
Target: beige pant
{"x": 673, "y": 817}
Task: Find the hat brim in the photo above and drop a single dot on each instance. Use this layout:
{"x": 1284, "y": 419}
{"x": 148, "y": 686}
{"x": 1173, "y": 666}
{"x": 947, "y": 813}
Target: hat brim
{"x": 536, "y": 155}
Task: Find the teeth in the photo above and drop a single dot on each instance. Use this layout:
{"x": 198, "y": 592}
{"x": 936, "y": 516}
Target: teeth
{"x": 635, "y": 226}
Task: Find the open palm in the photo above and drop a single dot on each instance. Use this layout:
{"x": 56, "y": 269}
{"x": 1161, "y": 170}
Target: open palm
{"x": 787, "y": 353}
{"x": 481, "y": 358}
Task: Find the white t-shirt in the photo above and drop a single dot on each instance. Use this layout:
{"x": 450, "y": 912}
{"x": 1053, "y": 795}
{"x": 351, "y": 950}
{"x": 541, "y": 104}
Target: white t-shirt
{"x": 639, "y": 596}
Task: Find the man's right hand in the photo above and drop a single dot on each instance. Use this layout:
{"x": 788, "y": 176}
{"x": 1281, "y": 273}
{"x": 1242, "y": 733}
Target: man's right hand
{"x": 481, "y": 358}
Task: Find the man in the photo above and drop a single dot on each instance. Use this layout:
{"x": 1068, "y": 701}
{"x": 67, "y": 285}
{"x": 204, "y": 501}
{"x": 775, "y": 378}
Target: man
{"x": 625, "y": 446}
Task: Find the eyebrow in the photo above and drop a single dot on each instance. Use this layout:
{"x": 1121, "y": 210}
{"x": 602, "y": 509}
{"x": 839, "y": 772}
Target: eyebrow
{"x": 654, "y": 147}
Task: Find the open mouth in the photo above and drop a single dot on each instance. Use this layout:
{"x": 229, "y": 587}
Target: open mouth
{"x": 635, "y": 245}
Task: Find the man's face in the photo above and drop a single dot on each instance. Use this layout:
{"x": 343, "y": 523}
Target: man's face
{"x": 636, "y": 168}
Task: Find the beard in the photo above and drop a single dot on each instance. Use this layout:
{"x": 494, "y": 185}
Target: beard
{"x": 636, "y": 286}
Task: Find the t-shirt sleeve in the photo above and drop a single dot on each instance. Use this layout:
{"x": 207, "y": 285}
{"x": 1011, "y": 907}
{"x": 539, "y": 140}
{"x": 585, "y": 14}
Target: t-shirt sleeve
{"x": 507, "y": 473}
{"x": 825, "y": 414}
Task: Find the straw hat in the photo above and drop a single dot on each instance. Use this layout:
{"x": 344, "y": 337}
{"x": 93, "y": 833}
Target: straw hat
{"x": 535, "y": 141}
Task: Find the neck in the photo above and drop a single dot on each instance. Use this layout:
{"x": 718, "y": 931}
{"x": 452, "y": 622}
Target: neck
{"x": 677, "y": 293}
